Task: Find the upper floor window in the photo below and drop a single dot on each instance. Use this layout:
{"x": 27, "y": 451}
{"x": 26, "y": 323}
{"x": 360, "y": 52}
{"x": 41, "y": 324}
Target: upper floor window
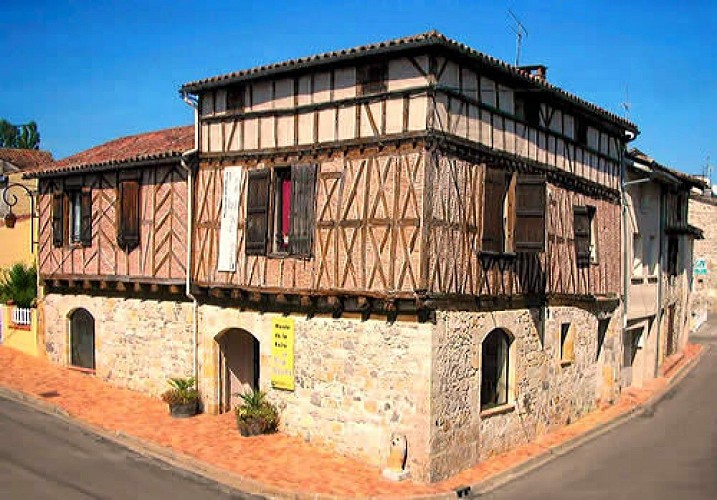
{"x": 235, "y": 98}
{"x": 128, "y": 211}
{"x": 527, "y": 108}
{"x": 585, "y": 234}
{"x": 72, "y": 215}
{"x": 291, "y": 214}
{"x": 581, "y": 131}
{"x": 372, "y": 78}
{"x": 513, "y": 212}
{"x": 673, "y": 251}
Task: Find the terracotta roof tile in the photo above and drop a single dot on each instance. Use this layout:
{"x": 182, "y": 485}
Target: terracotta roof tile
{"x": 25, "y": 158}
{"x": 141, "y": 147}
{"x": 430, "y": 38}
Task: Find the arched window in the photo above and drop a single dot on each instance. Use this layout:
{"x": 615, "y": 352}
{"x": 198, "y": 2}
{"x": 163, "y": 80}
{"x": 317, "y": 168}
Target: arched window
{"x": 82, "y": 339}
{"x": 495, "y": 378}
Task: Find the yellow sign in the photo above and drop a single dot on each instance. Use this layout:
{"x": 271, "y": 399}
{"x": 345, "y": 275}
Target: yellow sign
{"x": 282, "y": 353}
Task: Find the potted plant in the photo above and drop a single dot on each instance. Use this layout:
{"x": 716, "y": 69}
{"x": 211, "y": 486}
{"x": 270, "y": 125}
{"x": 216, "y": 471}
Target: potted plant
{"x": 256, "y": 415}
{"x": 182, "y": 397}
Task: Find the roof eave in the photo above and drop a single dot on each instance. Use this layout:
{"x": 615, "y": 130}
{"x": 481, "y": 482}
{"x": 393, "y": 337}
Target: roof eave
{"x": 141, "y": 161}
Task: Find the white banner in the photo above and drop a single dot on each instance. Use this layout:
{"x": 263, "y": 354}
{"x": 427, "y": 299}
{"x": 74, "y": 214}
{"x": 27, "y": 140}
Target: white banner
{"x": 231, "y": 199}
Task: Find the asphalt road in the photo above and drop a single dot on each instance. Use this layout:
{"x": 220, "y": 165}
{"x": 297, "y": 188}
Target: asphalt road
{"x": 668, "y": 453}
{"x": 43, "y": 457}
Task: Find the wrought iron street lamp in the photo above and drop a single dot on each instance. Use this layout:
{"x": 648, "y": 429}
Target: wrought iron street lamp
{"x": 10, "y": 199}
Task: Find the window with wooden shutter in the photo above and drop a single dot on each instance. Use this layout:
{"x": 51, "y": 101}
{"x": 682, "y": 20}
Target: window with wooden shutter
{"x": 581, "y": 228}
{"x": 128, "y": 215}
{"x": 530, "y": 214}
{"x": 302, "y": 210}
{"x": 493, "y": 204}
{"x": 257, "y": 208}
{"x": 58, "y": 219}
{"x": 86, "y": 211}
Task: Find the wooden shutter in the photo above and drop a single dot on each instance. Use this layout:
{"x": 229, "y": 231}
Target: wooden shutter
{"x": 128, "y": 220}
{"x": 530, "y": 214}
{"x": 58, "y": 219}
{"x": 493, "y": 199}
{"x": 303, "y": 185}
{"x": 581, "y": 227}
{"x": 257, "y": 207}
{"x": 86, "y": 227}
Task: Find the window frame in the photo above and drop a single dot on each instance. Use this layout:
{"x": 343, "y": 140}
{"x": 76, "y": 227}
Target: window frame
{"x": 372, "y": 78}
{"x": 567, "y": 344}
{"x": 303, "y": 178}
{"x": 592, "y": 251}
{"x": 503, "y": 366}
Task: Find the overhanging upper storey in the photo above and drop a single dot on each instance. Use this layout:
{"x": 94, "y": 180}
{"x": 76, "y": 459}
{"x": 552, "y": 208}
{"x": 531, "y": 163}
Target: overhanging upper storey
{"x": 424, "y": 85}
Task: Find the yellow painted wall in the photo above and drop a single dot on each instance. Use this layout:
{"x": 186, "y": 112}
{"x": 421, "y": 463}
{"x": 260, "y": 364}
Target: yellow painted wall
{"x": 15, "y": 244}
{"x": 17, "y": 338}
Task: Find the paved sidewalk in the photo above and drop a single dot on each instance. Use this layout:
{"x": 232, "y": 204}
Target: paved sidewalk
{"x": 276, "y": 464}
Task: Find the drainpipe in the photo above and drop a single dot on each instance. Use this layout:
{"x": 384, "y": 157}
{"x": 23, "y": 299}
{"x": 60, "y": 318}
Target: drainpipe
{"x": 190, "y": 204}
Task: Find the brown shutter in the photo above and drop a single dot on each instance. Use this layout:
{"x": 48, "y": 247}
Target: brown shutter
{"x": 581, "y": 227}
{"x": 128, "y": 223}
{"x": 58, "y": 219}
{"x": 86, "y": 228}
{"x": 493, "y": 198}
{"x": 303, "y": 186}
{"x": 530, "y": 214}
{"x": 257, "y": 207}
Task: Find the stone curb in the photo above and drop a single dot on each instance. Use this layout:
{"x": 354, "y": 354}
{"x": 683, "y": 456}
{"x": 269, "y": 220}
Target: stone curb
{"x": 234, "y": 483}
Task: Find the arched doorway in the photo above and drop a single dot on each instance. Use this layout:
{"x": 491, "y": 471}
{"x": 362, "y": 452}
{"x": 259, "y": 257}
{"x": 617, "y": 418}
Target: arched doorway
{"x": 82, "y": 339}
{"x": 238, "y": 366}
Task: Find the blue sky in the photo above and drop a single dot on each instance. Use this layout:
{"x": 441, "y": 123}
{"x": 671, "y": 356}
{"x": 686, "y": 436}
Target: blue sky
{"x": 88, "y": 72}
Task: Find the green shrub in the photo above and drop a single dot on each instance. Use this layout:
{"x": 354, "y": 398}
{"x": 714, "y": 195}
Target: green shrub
{"x": 182, "y": 391}
{"x": 19, "y": 284}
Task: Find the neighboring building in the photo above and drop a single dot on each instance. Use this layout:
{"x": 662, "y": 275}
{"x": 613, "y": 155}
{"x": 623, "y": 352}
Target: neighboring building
{"x": 703, "y": 214}
{"x": 17, "y": 242}
{"x": 658, "y": 260}
{"x": 113, "y": 256}
{"x": 407, "y": 237}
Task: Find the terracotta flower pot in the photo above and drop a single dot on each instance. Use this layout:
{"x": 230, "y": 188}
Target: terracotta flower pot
{"x": 251, "y": 426}
{"x": 183, "y": 410}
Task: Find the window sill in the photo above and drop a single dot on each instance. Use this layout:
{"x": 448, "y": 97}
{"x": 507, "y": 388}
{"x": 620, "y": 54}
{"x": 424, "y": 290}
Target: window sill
{"x": 566, "y": 362}
{"x": 88, "y": 371}
{"x": 497, "y": 410}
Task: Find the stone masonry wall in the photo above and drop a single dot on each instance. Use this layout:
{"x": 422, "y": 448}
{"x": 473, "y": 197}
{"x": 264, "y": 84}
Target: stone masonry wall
{"x": 545, "y": 392}
{"x": 357, "y": 382}
{"x": 703, "y": 214}
{"x": 139, "y": 343}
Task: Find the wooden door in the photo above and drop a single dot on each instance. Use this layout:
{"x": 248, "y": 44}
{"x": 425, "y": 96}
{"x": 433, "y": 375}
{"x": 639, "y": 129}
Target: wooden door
{"x": 239, "y": 367}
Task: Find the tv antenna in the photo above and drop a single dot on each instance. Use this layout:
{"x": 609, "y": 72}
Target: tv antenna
{"x": 707, "y": 172}
{"x": 520, "y": 32}
{"x": 626, "y": 104}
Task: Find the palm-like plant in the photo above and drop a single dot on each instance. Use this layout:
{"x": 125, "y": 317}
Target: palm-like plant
{"x": 19, "y": 284}
{"x": 182, "y": 391}
{"x": 255, "y": 414}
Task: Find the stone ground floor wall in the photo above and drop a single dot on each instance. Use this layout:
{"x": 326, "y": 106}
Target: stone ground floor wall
{"x": 545, "y": 392}
{"x": 139, "y": 343}
{"x": 357, "y": 382}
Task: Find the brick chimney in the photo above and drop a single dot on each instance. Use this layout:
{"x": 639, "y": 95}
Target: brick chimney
{"x": 539, "y": 71}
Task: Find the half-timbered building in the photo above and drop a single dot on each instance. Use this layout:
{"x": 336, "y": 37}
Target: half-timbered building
{"x": 113, "y": 256}
{"x": 406, "y": 238}
{"x": 438, "y": 229}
